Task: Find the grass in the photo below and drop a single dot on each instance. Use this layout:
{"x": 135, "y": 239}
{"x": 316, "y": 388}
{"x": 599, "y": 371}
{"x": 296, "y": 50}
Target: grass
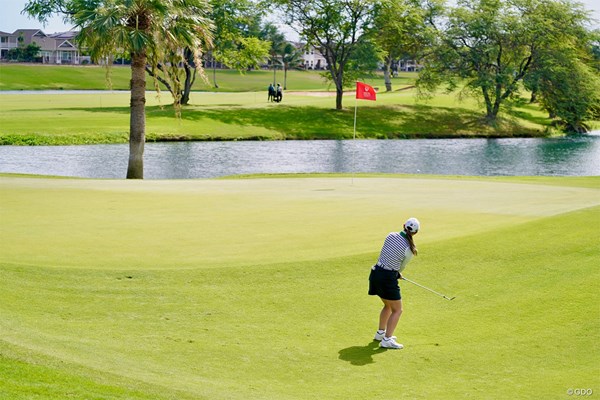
{"x": 256, "y": 288}
{"x": 238, "y": 110}
{"x": 104, "y": 118}
{"x": 54, "y": 77}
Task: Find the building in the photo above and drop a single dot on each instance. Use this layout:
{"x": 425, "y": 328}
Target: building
{"x": 61, "y": 48}
{"x": 8, "y": 41}
{"x": 56, "y": 48}
{"x": 408, "y": 65}
{"x": 312, "y": 57}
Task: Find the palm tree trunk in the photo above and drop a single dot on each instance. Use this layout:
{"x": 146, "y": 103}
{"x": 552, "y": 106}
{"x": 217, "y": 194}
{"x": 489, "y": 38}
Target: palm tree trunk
{"x": 214, "y": 65}
{"x": 137, "y": 119}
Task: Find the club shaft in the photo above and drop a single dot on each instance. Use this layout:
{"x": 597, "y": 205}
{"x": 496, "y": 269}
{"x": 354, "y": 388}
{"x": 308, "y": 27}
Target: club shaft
{"x": 426, "y": 288}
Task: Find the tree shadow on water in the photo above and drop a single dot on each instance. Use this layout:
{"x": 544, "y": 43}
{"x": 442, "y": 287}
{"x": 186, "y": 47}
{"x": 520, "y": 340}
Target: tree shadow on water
{"x": 361, "y": 355}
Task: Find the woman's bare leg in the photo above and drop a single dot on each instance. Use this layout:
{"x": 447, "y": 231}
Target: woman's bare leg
{"x": 390, "y": 315}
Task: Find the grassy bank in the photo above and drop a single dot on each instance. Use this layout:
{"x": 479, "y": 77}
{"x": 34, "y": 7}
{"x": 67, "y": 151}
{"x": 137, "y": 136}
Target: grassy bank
{"x": 133, "y": 290}
{"x": 104, "y": 118}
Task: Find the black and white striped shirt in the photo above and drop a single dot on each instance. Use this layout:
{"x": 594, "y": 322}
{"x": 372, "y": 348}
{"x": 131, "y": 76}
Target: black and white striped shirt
{"x": 395, "y": 253}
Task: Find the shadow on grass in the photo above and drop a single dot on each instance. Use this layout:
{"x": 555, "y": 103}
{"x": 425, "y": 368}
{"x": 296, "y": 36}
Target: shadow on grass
{"x": 382, "y": 122}
{"x": 361, "y": 355}
{"x": 291, "y": 122}
{"x": 523, "y": 114}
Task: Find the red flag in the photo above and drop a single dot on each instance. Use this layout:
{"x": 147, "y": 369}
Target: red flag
{"x": 364, "y": 91}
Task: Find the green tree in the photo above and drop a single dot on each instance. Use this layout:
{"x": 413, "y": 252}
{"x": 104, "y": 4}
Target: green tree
{"x": 237, "y": 41}
{"x": 29, "y": 53}
{"x": 291, "y": 58}
{"x": 563, "y": 76}
{"x": 570, "y": 91}
{"x": 402, "y": 29}
{"x": 249, "y": 53}
{"x": 364, "y": 61}
{"x": 334, "y": 27}
{"x": 489, "y": 47}
{"x": 595, "y": 50}
{"x": 277, "y": 42}
{"x": 484, "y": 47}
{"x": 152, "y": 31}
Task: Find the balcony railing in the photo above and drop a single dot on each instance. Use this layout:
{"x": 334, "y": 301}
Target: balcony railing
{"x": 8, "y": 45}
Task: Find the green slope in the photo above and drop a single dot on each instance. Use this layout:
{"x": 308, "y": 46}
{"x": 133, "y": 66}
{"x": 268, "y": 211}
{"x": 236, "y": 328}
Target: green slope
{"x": 280, "y": 314}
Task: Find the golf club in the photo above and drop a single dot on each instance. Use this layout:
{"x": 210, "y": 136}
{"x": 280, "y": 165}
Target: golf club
{"x": 426, "y": 288}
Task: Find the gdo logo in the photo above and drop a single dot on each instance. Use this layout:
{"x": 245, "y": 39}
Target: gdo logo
{"x": 580, "y": 392}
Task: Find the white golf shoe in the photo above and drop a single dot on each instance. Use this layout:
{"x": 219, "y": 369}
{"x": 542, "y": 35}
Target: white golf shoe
{"x": 390, "y": 343}
{"x": 379, "y": 336}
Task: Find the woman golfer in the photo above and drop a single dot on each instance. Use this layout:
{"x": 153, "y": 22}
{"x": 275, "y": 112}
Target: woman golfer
{"x": 398, "y": 249}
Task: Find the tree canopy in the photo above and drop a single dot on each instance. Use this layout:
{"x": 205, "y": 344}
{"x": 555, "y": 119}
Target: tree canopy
{"x": 488, "y": 48}
{"x": 236, "y": 35}
{"x": 402, "y": 29}
{"x": 334, "y": 27}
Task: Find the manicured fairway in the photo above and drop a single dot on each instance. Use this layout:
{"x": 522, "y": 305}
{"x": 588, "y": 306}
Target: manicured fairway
{"x": 256, "y": 288}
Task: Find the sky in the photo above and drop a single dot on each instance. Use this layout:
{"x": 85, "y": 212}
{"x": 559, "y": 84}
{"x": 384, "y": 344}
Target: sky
{"x": 11, "y": 18}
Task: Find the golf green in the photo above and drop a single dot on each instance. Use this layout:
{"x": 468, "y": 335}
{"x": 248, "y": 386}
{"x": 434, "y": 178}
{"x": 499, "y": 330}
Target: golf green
{"x": 256, "y": 288}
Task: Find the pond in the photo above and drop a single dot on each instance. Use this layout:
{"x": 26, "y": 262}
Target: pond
{"x": 575, "y": 156}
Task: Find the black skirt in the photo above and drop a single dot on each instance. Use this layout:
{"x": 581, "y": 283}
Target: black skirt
{"x": 384, "y": 283}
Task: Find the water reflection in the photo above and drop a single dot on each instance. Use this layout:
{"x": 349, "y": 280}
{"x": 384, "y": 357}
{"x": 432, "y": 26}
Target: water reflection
{"x": 564, "y": 156}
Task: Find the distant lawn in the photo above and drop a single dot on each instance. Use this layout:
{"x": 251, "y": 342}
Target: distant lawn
{"x": 104, "y": 118}
{"x": 53, "y": 77}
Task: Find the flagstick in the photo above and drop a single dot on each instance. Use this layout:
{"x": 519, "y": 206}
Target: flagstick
{"x": 354, "y": 136}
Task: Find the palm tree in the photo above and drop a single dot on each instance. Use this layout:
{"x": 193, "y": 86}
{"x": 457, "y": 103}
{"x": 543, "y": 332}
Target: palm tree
{"x": 270, "y": 33}
{"x": 291, "y": 58}
{"x": 154, "y": 32}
